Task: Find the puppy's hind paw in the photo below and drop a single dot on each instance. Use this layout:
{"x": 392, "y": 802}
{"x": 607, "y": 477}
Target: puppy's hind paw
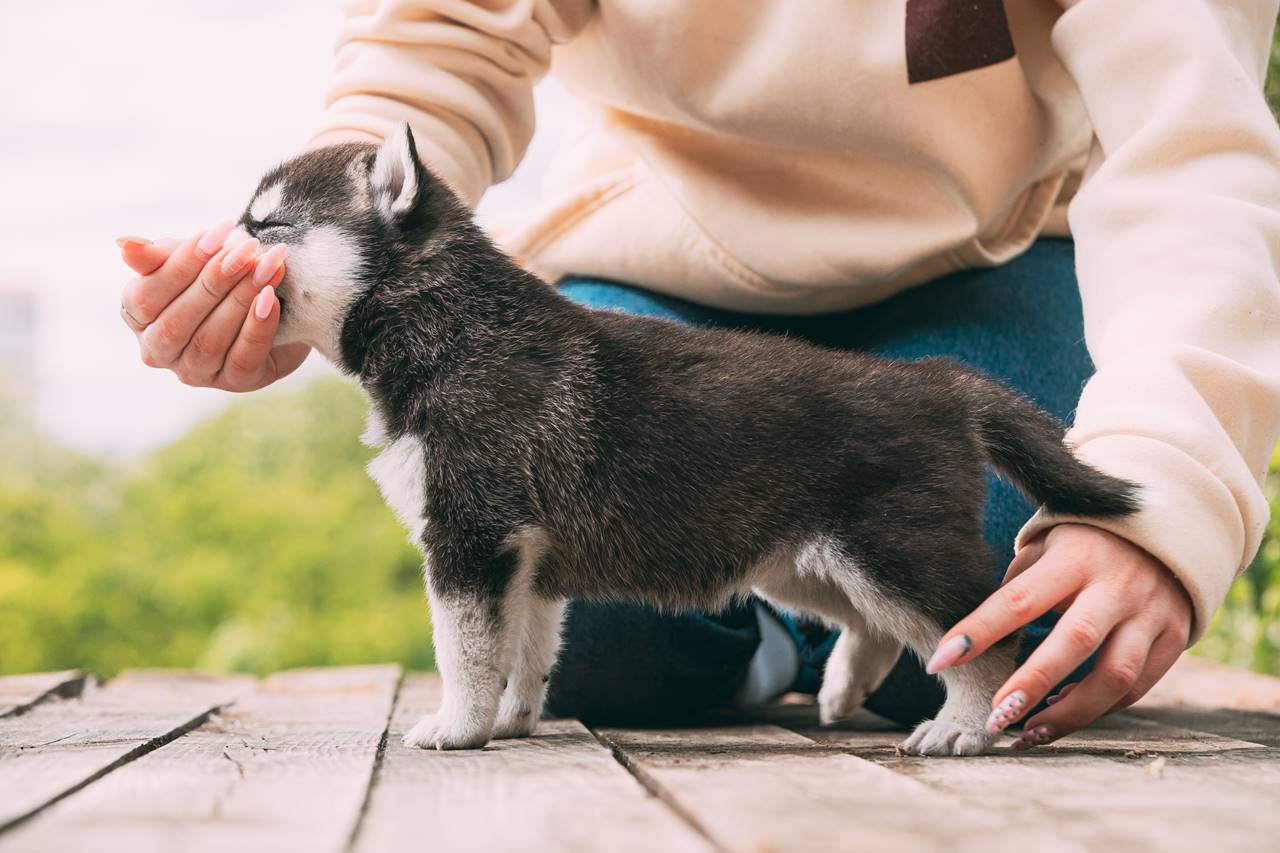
{"x": 936, "y": 737}
{"x": 513, "y": 723}
{"x": 439, "y": 731}
{"x": 836, "y": 705}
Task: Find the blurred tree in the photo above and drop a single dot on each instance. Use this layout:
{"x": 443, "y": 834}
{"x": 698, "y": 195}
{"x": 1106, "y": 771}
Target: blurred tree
{"x": 253, "y": 543}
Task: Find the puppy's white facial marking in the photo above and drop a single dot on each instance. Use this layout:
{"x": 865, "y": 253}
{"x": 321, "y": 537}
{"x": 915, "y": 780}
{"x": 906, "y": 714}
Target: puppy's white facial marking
{"x": 267, "y": 202}
{"x": 318, "y": 288}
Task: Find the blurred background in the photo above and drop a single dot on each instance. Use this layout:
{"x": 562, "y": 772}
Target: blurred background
{"x": 145, "y": 523}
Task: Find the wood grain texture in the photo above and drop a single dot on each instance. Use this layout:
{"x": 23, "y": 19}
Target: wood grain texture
{"x": 58, "y": 747}
{"x": 1121, "y": 787}
{"x": 1250, "y": 726}
{"x": 760, "y": 787}
{"x": 285, "y": 768}
{"x": 560, "y": 790}
{"x": 1195, "y": 683}
{"x": 21, "y": 693}
{"x": 142, "y": 764}
{"x": 1118, "y": 734}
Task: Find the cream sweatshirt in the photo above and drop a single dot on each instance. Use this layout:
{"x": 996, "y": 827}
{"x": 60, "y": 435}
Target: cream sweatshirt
{"x": 802, "y": 157}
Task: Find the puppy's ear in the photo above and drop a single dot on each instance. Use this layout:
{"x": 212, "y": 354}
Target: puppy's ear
{"x": 397, "y": 179}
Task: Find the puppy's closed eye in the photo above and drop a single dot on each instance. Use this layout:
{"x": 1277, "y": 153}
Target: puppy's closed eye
{"x": 263, "y": 230}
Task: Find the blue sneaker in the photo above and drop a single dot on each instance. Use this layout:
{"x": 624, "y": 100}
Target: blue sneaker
{"x": 814, "y": 642}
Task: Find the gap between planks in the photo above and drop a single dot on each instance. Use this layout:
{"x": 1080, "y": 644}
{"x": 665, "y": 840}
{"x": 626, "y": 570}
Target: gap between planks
{"x": 804, "y": 787}
{"x": 58, "y": 748}
{"x": 781, "y": 784}
{"x": 287, "y": 767}
{"x": 560, "y": 790}
{"x": 20, "y": 693}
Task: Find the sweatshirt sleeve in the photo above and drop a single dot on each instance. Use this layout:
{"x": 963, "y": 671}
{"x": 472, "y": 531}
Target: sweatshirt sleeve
{"x": 460, "y": 72}
{"x": 1177, "y": 229}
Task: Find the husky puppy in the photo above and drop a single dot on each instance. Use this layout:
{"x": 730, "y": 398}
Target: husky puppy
{"x": 540, "y": 451}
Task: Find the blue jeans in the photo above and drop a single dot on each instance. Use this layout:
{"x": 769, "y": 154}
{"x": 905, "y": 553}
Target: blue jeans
{"x": 629, "y": 664}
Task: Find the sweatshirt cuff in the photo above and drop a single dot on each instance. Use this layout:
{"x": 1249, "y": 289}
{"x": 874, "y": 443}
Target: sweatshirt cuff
{"x": 1188, "y": 519}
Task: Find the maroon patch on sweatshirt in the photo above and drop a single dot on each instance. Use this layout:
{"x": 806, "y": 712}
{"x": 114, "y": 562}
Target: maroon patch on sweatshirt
{"x": 946, "y": 37}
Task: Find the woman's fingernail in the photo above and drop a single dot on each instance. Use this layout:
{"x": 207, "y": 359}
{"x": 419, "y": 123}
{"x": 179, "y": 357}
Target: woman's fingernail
{"x": 1037, "y": 736}
{"x": 213, "y": 239}
{"x": 1007, "y": 711}
{"x": 948, "y": 653}
{"x": 262, "y": 305}
{"x": 239, "y": 256}
{"x": 129, "y": 239}
{"x": 269, "y": 264}
{"x": 1054, "y": 699}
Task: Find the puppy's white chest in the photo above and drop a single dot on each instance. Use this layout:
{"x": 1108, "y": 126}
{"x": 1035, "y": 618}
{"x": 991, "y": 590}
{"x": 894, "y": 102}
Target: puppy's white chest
{"x": 400, "y": 474}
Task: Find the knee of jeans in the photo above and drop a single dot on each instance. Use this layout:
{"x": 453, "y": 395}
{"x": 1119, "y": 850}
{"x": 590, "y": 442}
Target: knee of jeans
{"x": 632, "y": 665}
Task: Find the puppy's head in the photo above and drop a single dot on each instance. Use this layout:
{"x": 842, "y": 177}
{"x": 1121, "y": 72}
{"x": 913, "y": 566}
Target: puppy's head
{"x": 345, "y": 212}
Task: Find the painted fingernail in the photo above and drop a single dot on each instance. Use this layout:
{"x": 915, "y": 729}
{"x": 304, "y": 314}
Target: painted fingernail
{"x": 213, "y": 239}
{"x": 262, "y": 305}
{"x": 948, "y": 653}
{"x": 130, "y": 240}
{"x": 1007, "y": 711}
{"x": 269, "y": 264}
{"x": 1054, "y": 699}
{"x": 239, "y": 256}
{"x": 1037, "y": 736}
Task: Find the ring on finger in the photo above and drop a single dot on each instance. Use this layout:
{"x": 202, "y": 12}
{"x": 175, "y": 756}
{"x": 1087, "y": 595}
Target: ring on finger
{"x": 136, "y": 324}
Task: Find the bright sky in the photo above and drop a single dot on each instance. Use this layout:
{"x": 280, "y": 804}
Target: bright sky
{"x": 156, "y": 118}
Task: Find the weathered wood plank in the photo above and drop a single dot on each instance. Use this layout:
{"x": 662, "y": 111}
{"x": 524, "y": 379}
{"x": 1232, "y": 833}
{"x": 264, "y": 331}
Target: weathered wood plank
{"x": 1118, "y": 734}
{"x": 1195, "y": 683}
{"x": 1088, "y": 794}
{"x": 559, "y": 790}
{"x": 21, "y": 693}
{"x": 760, "y": 787}
{"x": 1155, "y": 802}
{"x": 1251, "y": 726}
{"x": 58, "y": 747}
{"x": 287, "y": 767}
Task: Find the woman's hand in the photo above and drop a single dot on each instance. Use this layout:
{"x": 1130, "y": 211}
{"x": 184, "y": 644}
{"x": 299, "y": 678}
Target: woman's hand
{"x": 1113, "y": 596}
{"x": 208, "y": 311}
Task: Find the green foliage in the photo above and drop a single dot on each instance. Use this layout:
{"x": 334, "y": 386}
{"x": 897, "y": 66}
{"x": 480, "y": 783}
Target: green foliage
{"x": 1246, "y": 630}
{"x": 255, "y": 542}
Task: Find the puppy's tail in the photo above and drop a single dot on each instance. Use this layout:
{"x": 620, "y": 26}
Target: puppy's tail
{"x": 1025, "y": 445}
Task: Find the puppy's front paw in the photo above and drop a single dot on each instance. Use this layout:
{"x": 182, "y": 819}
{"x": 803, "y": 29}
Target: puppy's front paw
{"x": 443, "y": 731}
{"x": 937, "y": 737}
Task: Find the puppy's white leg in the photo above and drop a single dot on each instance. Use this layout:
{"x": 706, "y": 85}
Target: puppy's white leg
{"x": 473, "y": 646}
{"x": 538, "y": 644}
{"x": 861, "y": 657}
{"x": 858, "y": 663}
{"x": 960, "y": 727}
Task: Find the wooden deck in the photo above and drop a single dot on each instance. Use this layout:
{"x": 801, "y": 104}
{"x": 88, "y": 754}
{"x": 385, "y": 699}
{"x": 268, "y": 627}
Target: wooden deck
{"x": 310, "y": 760}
